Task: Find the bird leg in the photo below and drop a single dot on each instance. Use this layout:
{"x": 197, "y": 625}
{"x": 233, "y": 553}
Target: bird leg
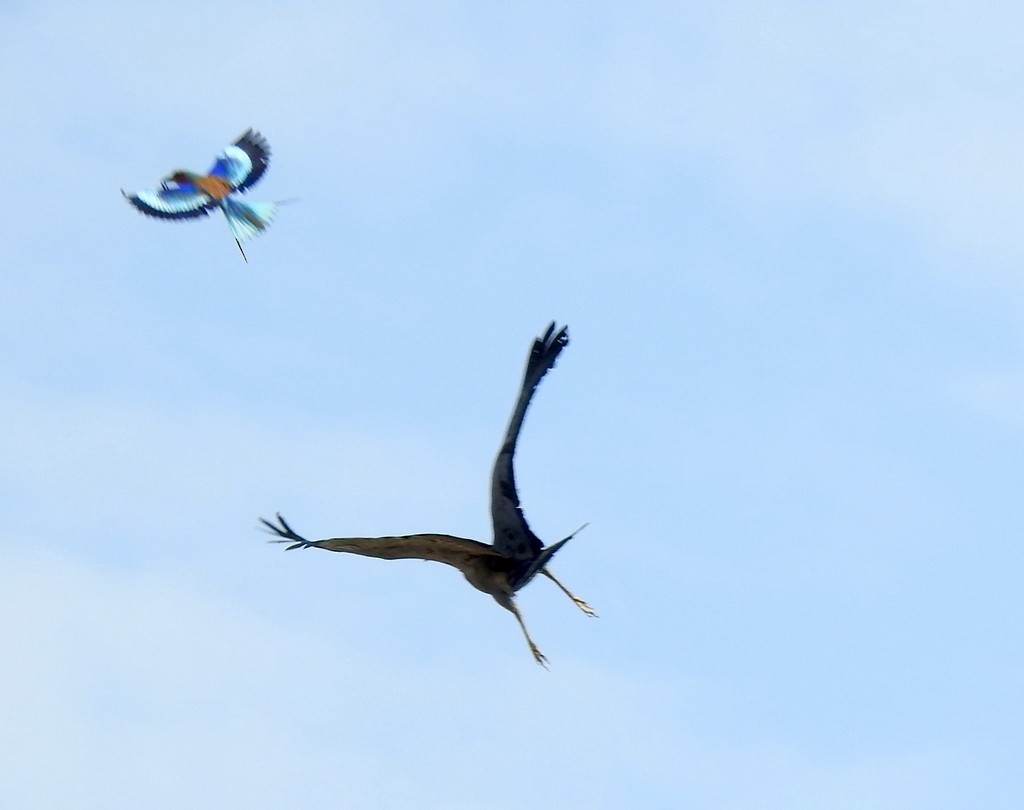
{"x": 285, "y": 534}
{"x": 505, "y": 600}
{"x": 576, "y": 600}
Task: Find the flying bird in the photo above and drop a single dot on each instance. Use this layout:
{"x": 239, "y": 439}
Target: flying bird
{"x": 515, "y": 556}
{"x": 185, "y": 195}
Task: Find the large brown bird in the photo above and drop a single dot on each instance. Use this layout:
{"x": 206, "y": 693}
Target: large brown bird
{"x": 515, "y": 557}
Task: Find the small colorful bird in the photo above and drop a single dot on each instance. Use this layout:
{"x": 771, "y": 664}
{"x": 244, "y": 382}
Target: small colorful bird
{"x": 184, "y": 195}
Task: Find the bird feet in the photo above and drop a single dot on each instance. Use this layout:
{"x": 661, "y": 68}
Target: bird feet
{"x": 285, "y": 534}
{"x": 584, "y": 607}
{"x": 538, "y": 656}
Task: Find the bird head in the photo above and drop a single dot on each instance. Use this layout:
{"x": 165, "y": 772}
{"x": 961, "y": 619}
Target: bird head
{"x": 180, "y": 177}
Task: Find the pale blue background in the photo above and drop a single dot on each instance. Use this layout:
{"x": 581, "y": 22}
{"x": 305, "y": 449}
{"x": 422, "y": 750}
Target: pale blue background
{"x": 787, "y": 241}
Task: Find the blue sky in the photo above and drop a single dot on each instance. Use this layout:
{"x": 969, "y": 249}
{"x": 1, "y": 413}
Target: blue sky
{"x": 786, "y": 241}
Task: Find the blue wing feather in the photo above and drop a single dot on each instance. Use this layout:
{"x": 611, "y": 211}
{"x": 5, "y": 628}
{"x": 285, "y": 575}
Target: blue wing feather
{"x": 243, "y": 163}
{"x": 172, "y": 201}
{"x": 233, "y": 165}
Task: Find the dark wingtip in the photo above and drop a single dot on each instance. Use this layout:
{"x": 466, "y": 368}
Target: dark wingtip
{"x": 253, "y": 137}
{"x": 285, "y": 533}
{"x": 281, "y": 529}
{"x": 256, "y": 147}
{"x": 561, "y": 337}
{"x": 550, "y": 343}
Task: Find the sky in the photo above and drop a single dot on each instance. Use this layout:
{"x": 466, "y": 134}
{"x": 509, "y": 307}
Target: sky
{"x": 786, "y": 241}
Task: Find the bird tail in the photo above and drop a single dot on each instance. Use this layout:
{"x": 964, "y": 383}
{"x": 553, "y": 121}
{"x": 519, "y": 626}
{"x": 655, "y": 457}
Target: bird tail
{"x": 530, "y": 570}
{"x": 247, "y": 219}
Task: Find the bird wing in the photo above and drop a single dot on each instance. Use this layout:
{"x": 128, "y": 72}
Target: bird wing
{"x": 172, "y": 201}
{"x": 455, "y": 551}
{"x": 243, "y": 163}
{"x": 512, "y": 535}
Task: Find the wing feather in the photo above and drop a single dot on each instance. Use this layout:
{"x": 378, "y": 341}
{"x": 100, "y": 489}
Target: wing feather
{"x": 243, "y": 163}
{"x": 456, "y": 551}
{"x": 512, "y": 535}
{"x": 172, "y": 202}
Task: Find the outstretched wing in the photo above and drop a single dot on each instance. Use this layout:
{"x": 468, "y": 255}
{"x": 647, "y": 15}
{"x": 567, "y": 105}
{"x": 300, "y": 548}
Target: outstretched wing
{"x": 512, "y": 535}
{"x": 455, "y": 551}
{"x": 243, "y": 163}
{"x": 172, "y": 201}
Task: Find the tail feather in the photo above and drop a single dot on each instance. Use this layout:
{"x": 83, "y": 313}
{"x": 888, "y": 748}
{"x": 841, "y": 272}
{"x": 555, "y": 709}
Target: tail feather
{"x": 247, "y": 219}
{"x": 529, "y": 570}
